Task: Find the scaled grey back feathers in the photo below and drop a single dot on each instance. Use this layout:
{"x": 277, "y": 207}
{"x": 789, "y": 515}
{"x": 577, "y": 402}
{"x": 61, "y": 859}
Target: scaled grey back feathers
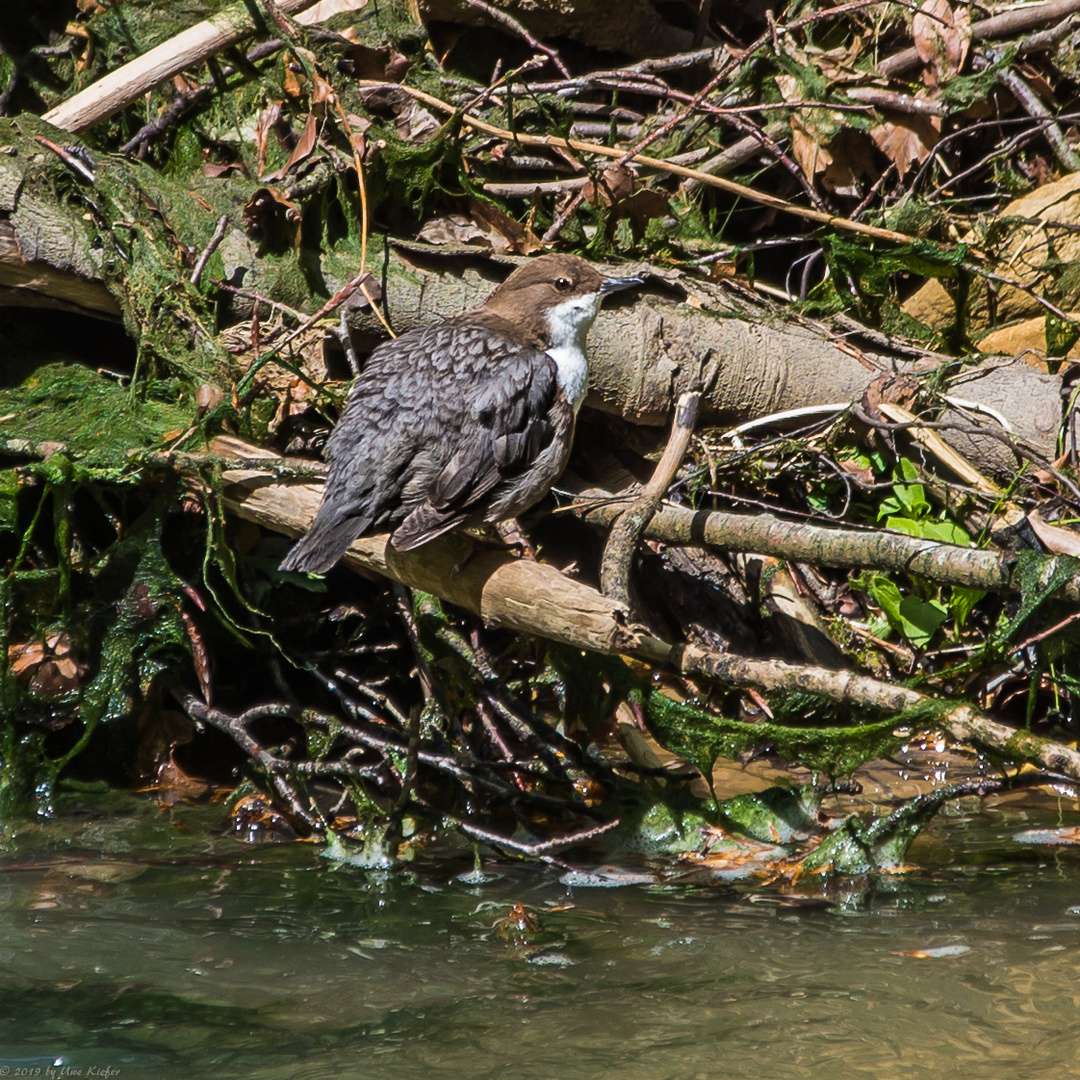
{"x": 453, "y": 424}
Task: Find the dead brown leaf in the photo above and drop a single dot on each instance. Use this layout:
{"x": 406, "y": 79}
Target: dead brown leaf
{"x": 942, "y": 37}
{"x": 642, "y": 206}
{"x": 899, "y": 390}
{"x": 263, "y": 206}
{"x": 172, "y": 785}
{"x": 304, "y": 145}
{"x": 907, "y": 140}
{"x": 266, "y": 121}
{"x": 506, "y": 234}
{"x": 862, "y": 473}
{"x": 324, "y": 93}
{"x": 383, "y": 64}
{"x": 1057, "y": 540}
{"x": 616, "y": 182}
{"x": 55, "y": 678}
{"x": 368, "y": 292}
{"x": 256, "y": 822}
{"x": 414, "y": 123}
{"x": 619, "y": 189}
{"x": 293, "y": 83}
{"x": 842, "y": 64}
{"x": 213, "y": 169}
{"x": 25, "y": 657}
{"x": 852, "y": 161}
{"x": 200, "y": 656}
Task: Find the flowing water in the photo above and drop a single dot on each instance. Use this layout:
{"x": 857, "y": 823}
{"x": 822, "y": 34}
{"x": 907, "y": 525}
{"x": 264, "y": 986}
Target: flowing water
{"x": 215, "y": 959}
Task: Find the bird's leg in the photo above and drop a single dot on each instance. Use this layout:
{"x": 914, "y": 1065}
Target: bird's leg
{"x": 513, "y": 536}
{"x": 502, "y": 536}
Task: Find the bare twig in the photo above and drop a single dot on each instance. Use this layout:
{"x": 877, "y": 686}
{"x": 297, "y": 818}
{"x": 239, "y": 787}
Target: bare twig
{"x": 508, "y": 22}
{"x": 540, "y": 848}
{"x": 897, "y": 102}
{"x": 565, "y": 215}
{"x": 1020, "y": 90}
{"x": 723, "y": 184}
{"x": 211, "y": 247}
{"x": 626, "y": 531}
{"x": 235, "y": 728}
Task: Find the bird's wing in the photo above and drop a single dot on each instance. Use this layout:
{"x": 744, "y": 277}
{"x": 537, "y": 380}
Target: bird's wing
{"x": 394, "y": 408}
{"x": 512, "y": 413}
{"x": 510, "y": 423}
{"x": 434, "y": 422}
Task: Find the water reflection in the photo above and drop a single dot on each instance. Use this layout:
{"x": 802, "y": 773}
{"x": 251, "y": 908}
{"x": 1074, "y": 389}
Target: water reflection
{"x": 221, "y": 961}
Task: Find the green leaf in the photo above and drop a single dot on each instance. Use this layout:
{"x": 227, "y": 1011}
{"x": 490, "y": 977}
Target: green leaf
{"x": 962, "y": 601}
{"x": 921, "y": 619}
{"x": 905, "y": 525}
{"x": 1061, "y": 335}
{"x": 946, "y": 531}
{"x": 911, "y": 494}
{"x": 917, "y": 620}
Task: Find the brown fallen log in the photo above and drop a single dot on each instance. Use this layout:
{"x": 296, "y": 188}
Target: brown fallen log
{"x": 833, "y": 546}
{"x": 533, "y": 598}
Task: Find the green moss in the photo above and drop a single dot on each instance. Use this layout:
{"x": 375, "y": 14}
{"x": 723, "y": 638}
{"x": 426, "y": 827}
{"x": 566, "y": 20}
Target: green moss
{"x": 864, "y": 847}
{"x": 702, "y": 737}
{"x": 120, "y": 611}
{"x": 775, "y": 815}
{"x": 93, "y": 417}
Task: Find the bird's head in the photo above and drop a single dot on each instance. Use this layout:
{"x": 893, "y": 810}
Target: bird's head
{"x": 556, "y": 297}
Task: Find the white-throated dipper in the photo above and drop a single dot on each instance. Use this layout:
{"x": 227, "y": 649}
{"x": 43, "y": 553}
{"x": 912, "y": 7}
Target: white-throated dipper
{"x": 464, "y": 422}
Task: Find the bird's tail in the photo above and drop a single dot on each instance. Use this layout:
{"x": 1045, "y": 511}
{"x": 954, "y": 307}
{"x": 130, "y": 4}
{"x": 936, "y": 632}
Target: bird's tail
{"x": 320, "y": 549}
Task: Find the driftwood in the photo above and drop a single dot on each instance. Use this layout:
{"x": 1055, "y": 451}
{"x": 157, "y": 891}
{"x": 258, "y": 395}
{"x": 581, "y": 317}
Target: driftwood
{"x": 121, "y": 87}
{"x": 533, "y": 598}
{"x": 832, "y": 546}
{"x": 627, "y": 529}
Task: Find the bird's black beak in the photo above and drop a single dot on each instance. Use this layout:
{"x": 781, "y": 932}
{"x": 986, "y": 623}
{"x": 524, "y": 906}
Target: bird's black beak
{"x": 617, "y": 284}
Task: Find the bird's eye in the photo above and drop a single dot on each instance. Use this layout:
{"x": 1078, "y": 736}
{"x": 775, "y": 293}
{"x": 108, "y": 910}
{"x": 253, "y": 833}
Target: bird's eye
{"x": 563, "y": 283}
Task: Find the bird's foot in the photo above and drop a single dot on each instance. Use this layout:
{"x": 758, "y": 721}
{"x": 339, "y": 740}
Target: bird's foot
{"x": 503, "y": 536}
{"x": 513, "y": 536}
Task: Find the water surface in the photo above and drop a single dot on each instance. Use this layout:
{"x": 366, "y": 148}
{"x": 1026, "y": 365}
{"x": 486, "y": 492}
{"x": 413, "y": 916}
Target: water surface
{"x": 223, "y": 960}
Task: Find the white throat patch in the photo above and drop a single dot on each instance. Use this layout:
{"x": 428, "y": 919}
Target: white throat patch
{"x": 569, "y": 324}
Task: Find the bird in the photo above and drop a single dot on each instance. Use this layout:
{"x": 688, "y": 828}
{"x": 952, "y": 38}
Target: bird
{"x": 462, "y": 422}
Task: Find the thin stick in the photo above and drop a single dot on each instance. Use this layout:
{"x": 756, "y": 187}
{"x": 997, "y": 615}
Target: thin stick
{"x": 511, "y": 24}
{"x": 626, "y": 532}
{"x": 1030, "y": 103}
{"x": 723, "y": 184}
{"x": 120, "y": 88}
{"x": 204, "y": 258}
{"x": 362, "y": 186}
